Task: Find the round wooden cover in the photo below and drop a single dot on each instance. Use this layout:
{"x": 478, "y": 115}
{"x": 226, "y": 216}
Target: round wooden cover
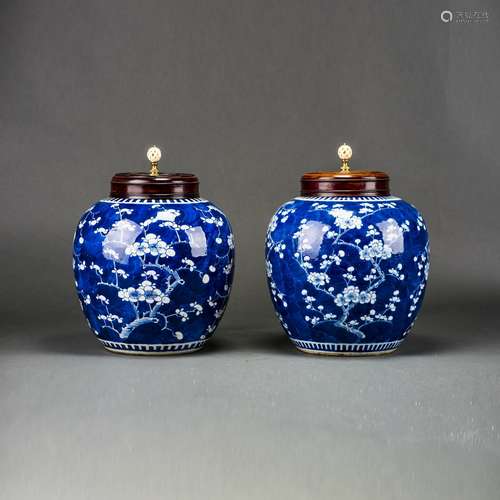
{"x": 143, "y": 185}
{"x": 353, "y": 183}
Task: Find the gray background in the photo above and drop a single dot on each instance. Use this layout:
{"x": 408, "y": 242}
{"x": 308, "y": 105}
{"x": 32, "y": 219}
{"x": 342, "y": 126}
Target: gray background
{"x": 248, "y": 95}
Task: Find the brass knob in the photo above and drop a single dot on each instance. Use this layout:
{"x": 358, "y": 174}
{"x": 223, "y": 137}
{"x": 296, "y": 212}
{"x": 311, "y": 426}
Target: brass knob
{"x": 154, "y": 155}
{"x": 345, "y": 154}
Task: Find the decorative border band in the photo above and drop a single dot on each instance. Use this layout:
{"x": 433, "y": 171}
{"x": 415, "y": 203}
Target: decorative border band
{"x": 337, "y": 347}
{"x": 154, "y": 348}
{"x": 348, "y": 198}
{"x": 154, "y": 201}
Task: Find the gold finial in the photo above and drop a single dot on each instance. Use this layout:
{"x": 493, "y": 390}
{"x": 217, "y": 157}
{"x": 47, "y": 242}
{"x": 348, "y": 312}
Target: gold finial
{"x": 345, "y": 154}
{"x": 154, "y": 155}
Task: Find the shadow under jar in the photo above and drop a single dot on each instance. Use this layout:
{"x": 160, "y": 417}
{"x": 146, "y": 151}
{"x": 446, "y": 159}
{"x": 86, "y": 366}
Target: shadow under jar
{"x": 347, "y": 263}
{"x": 153, "y": 264}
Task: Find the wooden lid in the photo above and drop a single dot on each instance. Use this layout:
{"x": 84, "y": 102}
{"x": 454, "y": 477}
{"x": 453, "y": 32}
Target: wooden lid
{"x": 352, "y": 183}
{"x": 154, "y": 184}
{"x": 144, "y": 185}
{"x": 345, "y": 182}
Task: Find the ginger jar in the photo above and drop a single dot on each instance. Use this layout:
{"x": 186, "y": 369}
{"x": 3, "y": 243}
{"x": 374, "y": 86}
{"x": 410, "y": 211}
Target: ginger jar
{"x": 153, "y": 264}
{"x": 347, "y": 263}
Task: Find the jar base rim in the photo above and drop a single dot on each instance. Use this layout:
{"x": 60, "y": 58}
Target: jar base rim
{"x": 346, "y": 349}
{"x": 345, "y": 354}
{"x": 153, "y": 349}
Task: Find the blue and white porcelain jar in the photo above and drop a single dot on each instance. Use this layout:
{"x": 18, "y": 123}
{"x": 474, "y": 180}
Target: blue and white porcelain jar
{"x": 347, "y": 263}
{"x": 153, "y": 264}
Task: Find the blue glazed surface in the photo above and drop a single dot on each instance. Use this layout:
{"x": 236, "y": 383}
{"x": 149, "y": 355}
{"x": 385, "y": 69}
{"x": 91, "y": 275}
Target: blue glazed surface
{"x": 153, "y": 275}
{"x": 347, "y": 274}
